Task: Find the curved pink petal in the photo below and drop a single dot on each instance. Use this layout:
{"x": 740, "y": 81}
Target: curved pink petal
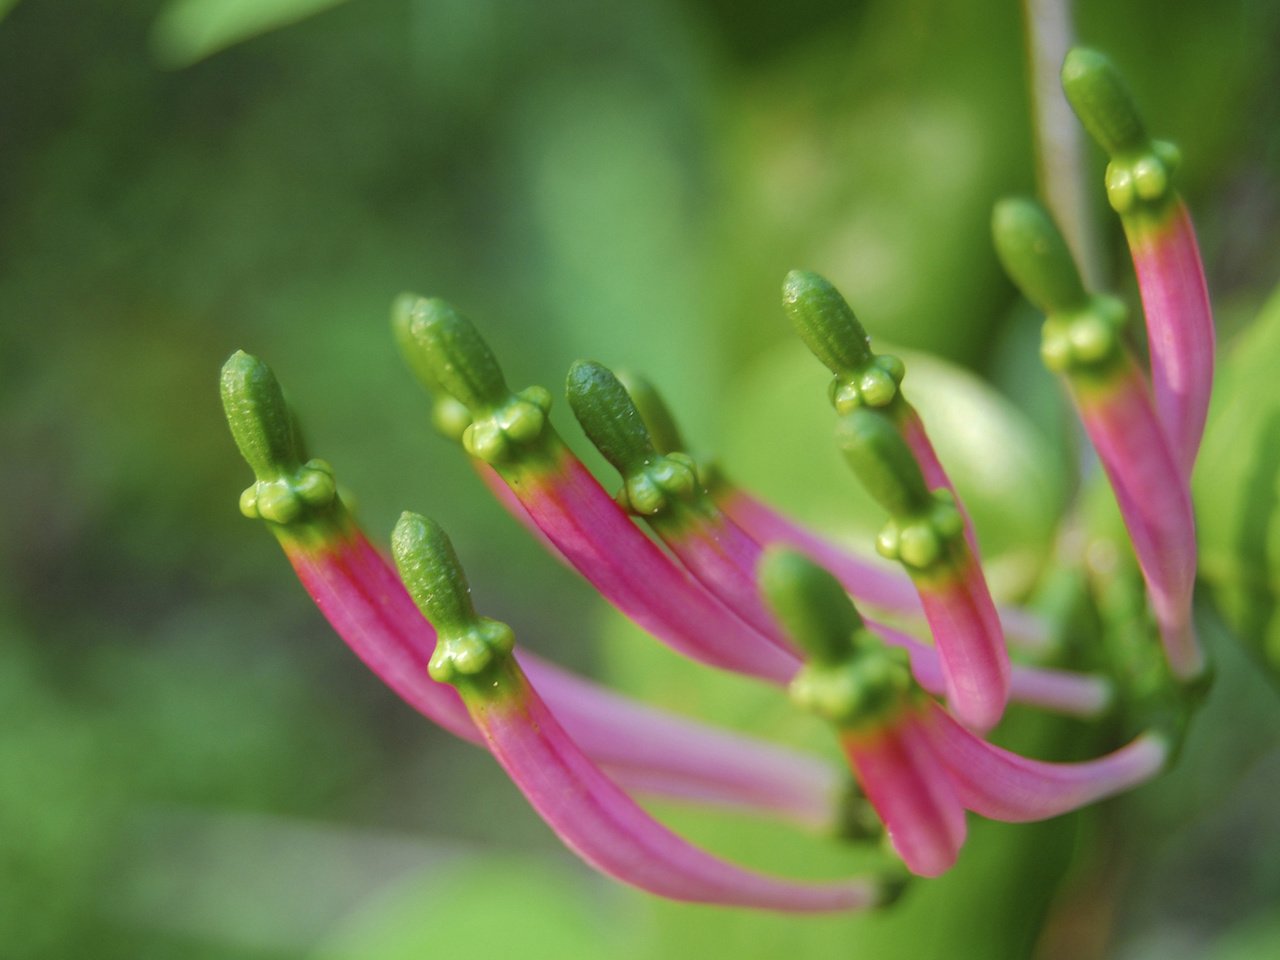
{"x": 608, "y": 830}
{"x": 968, "y": 639}
{"x": 935, "y": 475}
{"x": 633, "y": 574}
{"x": 1001, "y": 785}
{"x": 645, "y": 749}
{"x": 1062, "y": 691}
{"x": 362, "y": 598}
{"x": 907, "y": 784}
{"x": 650, "y": 751}
{"x": 1154, "y": 501}
{"x": 866, "y": 580}
{"x": 1180, "y": 331}
{"x": 723, "y": 558}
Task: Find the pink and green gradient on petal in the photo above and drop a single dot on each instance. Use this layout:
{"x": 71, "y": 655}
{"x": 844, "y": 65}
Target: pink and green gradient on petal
{"x": 1162, "y": 241}
{"x": 590, "y": 814}
{"x": 906, "y": 782}
{"x": 926, "y": 534}
{"x": 1180, "y": 330}
{"x": 1083, "y": 342}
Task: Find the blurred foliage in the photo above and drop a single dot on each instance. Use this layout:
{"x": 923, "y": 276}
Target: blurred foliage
{"x": 190, "y": 763}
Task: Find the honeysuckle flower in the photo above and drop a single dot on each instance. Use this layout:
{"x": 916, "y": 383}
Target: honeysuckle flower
{"x": 734, "y": 584}
{"x": 1082, "y": 343}
{"x": 577, "y": 800}
{"x": 929, "y": 533}
{"x": 1162, "y": 242}
{"x": 920, "y": 769}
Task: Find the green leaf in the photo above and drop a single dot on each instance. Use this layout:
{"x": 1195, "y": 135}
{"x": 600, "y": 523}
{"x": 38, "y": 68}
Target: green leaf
{"x": 188, "y": 31}
{"x": 1235, "y": 488}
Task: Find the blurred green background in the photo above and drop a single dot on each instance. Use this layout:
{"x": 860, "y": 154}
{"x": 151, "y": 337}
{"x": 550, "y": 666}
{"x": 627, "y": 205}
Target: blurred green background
{"x": 192, "y": 765}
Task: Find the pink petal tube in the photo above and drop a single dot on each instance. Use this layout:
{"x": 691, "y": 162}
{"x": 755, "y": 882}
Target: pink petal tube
{"x": 907, "y": 784}
{"x": 935, "y": 476}
{"x": 650, "y": 751}
{"x": 1175, "y": 300}
{"x": 634, "y": 575}
{"x": 723, "y": 558}
{"x": 646, "y": 750}
{"x": 511, "y": 503}
{"x": 362, "y": 598}
{"x": 1154, "y": 501}
{"x": 967, "y": 634}
{"x": 608, "y": 830}
{"x": 1074, "y": 694}
{"x": 1000, "y": 785}
{"x": 866, "y": 581}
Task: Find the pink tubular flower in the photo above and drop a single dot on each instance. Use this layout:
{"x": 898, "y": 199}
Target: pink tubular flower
{"x": 918, "y": 767}
{"x": 709, "y": 579}
{"x": 1162, "y": 242}
{"x": 586, "y": 809}
{"x": 1082, "y": 343}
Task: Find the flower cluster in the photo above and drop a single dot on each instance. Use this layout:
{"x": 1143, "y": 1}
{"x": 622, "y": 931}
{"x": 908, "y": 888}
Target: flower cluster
{"x": 732, "y": 583}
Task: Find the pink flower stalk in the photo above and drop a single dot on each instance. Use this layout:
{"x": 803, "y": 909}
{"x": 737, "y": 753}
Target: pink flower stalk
{"x": 1162, "y": 242}
{"x": 1180, "y": 330}
{"x": 920, "y": 769}
{"x": 363, "y": 599}
{"x": 1154, "y": 502}
{"x": 1061, "y": 691}
{"x": 585, "y": 809}
{"x": 907, "y": 783}
{"x": 510, "y": 432}
{"x": 867, "y": 582}
{"x": 1001, "y": 785}
{"x": 927, "y": 535}
{"x": 666, "y": 492}
{"x": 1082, "y": 343}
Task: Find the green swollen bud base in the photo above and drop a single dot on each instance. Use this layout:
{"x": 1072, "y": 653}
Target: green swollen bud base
{"x": 863, "y": 692}
{"x": 925, "y": 542}
{"x": 1141, "y": 184}
{"x": 510, "y": 428}
{"x": 1085, "y": 342}
{"x": 873, "y": 384}
{"x": 295, "y": 497}
{"x": 659, "y": 487}
{"x": 473, "y": 654}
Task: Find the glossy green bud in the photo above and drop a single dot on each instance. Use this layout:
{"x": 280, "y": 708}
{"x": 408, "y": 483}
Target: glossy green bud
{"x": 450, "y": 349}
{"x": 825, "y": 322}
{"x": 1101, "y": 99}
{"x": 1035, "y": 256}
{"x": 609, "y": 417}
{"x": 260, "y": 420}
{"x": 654, "y": 412}
{"x": 883, "y": 462}
{"x": 467, "y": 644}
{"x": 810, "y": 604}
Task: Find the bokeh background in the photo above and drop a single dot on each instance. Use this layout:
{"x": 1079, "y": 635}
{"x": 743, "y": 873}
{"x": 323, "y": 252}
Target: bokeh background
{"x": 192, "y": 765}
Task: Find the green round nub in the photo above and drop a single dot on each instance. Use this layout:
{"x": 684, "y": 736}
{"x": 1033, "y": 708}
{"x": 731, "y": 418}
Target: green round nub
{"x": 450, "y": 349}
{"x": 664, "y": 433}
{"x": 260, "y": 420}
{"x": 1035, "y": 256}
{"x": 883, "y": 462}
{"x": 467, "y": 644}
{"x": 825, "y": 322}
{"x": 810, "y": 604}
{"x": 1101, "y": 99}
{"x": 609, "y": 417}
